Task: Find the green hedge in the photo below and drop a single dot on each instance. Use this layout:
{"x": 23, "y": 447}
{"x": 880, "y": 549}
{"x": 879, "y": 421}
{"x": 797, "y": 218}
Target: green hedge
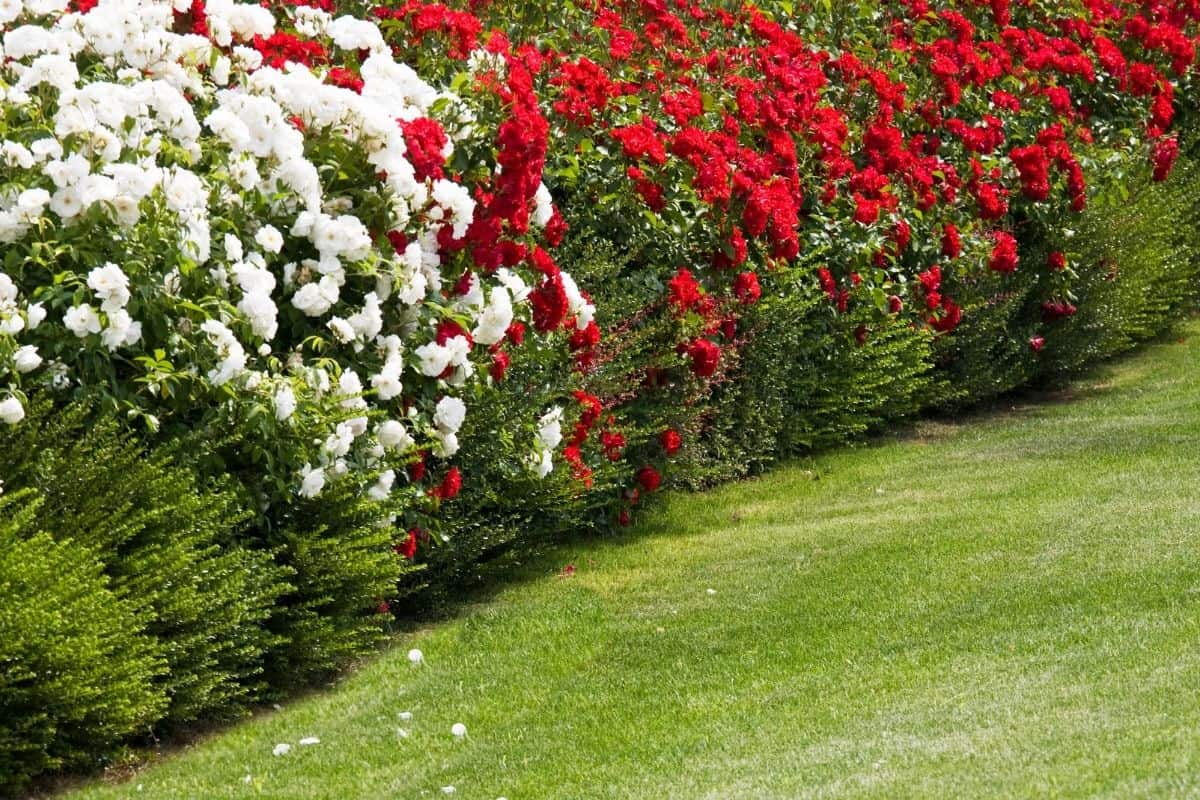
{"x": 78, "y": 672}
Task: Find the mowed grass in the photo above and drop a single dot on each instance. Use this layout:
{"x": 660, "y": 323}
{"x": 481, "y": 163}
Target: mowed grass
{"x": 1002, "y": 606}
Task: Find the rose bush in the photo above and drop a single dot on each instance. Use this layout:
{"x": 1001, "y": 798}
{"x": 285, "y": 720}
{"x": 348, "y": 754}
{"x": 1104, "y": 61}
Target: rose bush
{"x": 201, "y": 221}
{"x": 322, "y": 240}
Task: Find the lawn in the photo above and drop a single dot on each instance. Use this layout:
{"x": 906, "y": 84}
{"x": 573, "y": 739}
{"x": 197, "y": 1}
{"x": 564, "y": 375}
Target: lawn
{"x": 1004, "y": 605}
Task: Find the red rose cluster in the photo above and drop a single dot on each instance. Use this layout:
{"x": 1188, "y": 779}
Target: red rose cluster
{"x": 727, "y": 150}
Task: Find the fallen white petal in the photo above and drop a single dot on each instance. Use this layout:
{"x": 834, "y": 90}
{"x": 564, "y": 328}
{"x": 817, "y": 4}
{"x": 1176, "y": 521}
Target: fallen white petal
{"x": 307, "y": 740}
{"x": 283, "y": 748}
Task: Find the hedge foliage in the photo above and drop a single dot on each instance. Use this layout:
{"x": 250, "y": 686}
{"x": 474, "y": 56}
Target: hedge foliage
{"x": 293, "y": 409}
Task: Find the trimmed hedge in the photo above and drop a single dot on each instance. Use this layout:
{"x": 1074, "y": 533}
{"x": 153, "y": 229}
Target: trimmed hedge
{"x": 78, "y": 673}
{"x": 189, "y": 572}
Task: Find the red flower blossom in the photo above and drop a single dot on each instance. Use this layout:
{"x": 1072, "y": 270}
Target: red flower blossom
{"x": 408, "y": 546}
{"x": 828, "y": 285}
{"x": 649, "y": 191}
{"x": 416, "y": 470}
{"x": 1054, "y": 310}
{"x": 613, "y": 443}
{"x": 683, "y": 291}
{"x": 585, "y": 338}
{"x": 951, "y": 241}
{"x": 705, "y": 356}
{"x": 950, "y": 317}
{"x": 450, "y": 486}
{"x": 425, "y": 140}
{"x": 550, "y": 304}
{"x": 649, "y": 479}
{"x": 671, "y": 441}
{"x": 640, "y": 142}
{"x": 1034, "y": 170}
{"x": 746, "y": 288}
{"x": 500, "y": 364}
{"x": 449, "y": 329}
{"x": 1165, "y": 152}
{"x": 1004, "y": 253}
{"x": 280, "y": 48}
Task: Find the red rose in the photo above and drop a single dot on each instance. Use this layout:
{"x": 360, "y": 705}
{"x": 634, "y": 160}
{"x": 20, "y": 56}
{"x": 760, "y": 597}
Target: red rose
{"x": 1004, "y": 253}
{"x": 746, "y": 288}
{"x": 408, "y": 547}
{"x": 671, "y": 441}
{"x": 683, "y": 291}
{"x": 649, "y": 479}
{"x": 951, "y": 241}
{"x": 450, "y": 486}
{"x": 1163, "y": 157}
{"x": 425, "y": 140}
{"x": 705, "y": 355}
{"x": 500, "y": 363}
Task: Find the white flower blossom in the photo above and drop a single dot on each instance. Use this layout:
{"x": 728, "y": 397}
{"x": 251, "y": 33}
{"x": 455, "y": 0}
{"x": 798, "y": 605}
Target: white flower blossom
{"x": 449, "y": 414}
{"x": 11, "y": 411}
{"x": 312, "y": 481}
{"x": 285, "y": 403}
{"x": 26, "y": 359}
{"x": 393, "y": 435}
{"x": 82, "y": 320}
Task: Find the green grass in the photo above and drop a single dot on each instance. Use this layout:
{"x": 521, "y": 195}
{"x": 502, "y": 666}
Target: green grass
{"x": 1003, "y": 606}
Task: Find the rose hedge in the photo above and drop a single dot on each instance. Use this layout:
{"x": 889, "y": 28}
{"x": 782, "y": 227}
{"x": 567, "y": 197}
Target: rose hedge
{"x": 320, "y": 242}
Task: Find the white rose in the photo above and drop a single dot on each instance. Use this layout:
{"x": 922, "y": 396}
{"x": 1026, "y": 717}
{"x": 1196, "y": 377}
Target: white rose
{"x": 342, "y": 330}
{"x": 393, "y": 435}
{"x": 269, "y": 238}
{"x": 111, "y": 285}
{"x": 434, "y": 359}
{"x": 312, "y": 481}
{"x": 82, "y": 320}
{"x": 26, "y": 359}
{"x": 35, "y": 314}
{"x": 387, "y": 384}
{"x": 450, "y": 413}
{"x": 314, "y": 299}
{"x": 380, "y": 491}
{"x": 493, "y": 323}
{"x": 13, "y": 325}
{"x": 285, "y": 403}
{"x": 11, "y": 411}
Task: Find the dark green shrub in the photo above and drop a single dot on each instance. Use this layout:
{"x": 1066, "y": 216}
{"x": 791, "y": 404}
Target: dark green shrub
{"x": 989, "y": 353}
{"x": 504, "y": 507}
{"x": 339, "y": 551}
{"x": 77, "y": 671}
{"x": 167, "y": 543}
{"x": 1137, "y": 255}
{"x": 805, "y": 381}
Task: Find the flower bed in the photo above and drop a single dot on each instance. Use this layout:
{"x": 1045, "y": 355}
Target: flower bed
{"x": 324, "y": 243}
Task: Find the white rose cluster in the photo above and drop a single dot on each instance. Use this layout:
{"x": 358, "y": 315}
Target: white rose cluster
{"x": 194, "y": 188}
